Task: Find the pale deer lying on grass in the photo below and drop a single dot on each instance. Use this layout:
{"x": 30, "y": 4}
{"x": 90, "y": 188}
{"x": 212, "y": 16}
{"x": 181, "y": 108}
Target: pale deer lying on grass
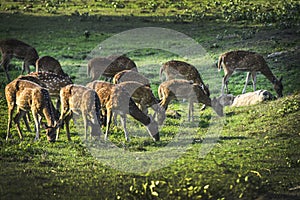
{"x": 77, "y": 99}
{"x": 109, "y": 66}
{"x": 249, "y": 98}
{"x": 178, "y": 69}
{"x": 247, "y": 61}
{"x": 28, "y": 96}
{"x": 180, "y": 88}
{"x": 129, "y": 75}
{"x": 11, "y": 48}
{"x": 144, "y": 97}
{"x": 116, "y": 100}
{"x": 49, "y": 64}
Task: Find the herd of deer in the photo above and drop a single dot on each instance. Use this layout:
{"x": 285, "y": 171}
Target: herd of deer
{"x": 98, "y": 101}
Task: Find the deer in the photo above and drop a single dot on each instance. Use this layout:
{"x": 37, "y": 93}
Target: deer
{"x": 13, "y": 48}
{"x": 80, "y": 100}
{"x": 180, "y": 88}
{"x": 109, "y": 66}
{"x": 49, "y": 64}
{"x": 116, "y": 100}
{"x": 246, "y": 99}
{"x": 144, "y": 98}
{"x": 29, "y": 96}
{"x": 251, "y": 62}
{"x": 178, "y": 69}
{"x": 130, "y": 75}
{"x": 53, "y": 82}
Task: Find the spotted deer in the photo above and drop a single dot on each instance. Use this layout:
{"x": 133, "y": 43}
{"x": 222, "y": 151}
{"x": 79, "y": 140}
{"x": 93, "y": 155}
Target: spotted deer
{"x": 109, "y": 66}
{"x": 130, "y": 75}
{"x": 80, "y": 100}
{"x": 180, "y": 88}
{"x": 116, "y": 100}
{"x": 13, "y": 48}
{"x": 144, "y": 98}
{"x": 178, "y": 69}
{"x": 29, "y": 96}
{"x": 53, "y": 82}
{"x": 49, "y": 64}
{"x": 247, "y": 61}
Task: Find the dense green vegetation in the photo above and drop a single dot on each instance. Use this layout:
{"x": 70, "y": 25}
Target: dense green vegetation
{"x": 255, "y": 156}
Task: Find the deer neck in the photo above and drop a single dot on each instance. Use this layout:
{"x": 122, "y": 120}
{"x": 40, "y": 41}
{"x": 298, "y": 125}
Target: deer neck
{"x": 269, "y": 75}
{"x": 137, "y": 114}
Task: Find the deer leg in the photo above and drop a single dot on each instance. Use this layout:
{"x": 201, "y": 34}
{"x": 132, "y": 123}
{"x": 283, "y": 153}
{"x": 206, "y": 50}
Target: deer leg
{"x": 254, "y": 80}
{"x": 5, "y": 62}
{"x": 246, "y": 82}
{"x": 17, "y": 118}
{"x": 10, "y": 112}
{"x": 108, "y": 120}
{"x": 123, "y": 122}
{"x": 225, "y": 82}
{"x": 37, "y": 125}
{"x": 85, "y": 123}
{"x": 191, "y": 111}
{"x": 67, "y": 120}
{"x": 25, "y": 67}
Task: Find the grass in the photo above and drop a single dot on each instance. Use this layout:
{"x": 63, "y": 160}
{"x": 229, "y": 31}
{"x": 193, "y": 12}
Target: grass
{"x": 255, "y": 156}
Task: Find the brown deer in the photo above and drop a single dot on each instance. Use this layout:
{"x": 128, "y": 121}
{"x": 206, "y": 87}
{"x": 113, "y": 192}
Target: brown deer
{"x": 53, "y": 82}
{"x": 77, "y": 99}
{"x": 144, "y": 97}
{"x": 109, "y": 66}
{"x": 11, "y": 48}
{"x": 130, "y": 75}
{"x": 49, "y": 64}
{"x": 28, "y": 96}
{"x": 180, "y": 88}
{"x": 247, "y": 61}
{"x": 116, "y": 100}
{"x": 178, "y": 69}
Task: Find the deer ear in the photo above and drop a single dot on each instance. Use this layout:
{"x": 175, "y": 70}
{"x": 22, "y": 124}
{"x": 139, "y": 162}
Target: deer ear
{"x": 207, "y": 85}
{"x": 280, "y": 79}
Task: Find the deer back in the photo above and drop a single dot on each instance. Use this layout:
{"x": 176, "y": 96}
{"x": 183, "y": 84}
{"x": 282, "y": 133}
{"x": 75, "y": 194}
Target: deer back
{"x": 49, "y": 64}
{"x": 54, "y": 82}
{"x": 129, "y": 75}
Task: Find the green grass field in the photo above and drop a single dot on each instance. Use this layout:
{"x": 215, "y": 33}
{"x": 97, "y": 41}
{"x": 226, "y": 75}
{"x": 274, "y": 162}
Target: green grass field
{"x": 255, "y": 150}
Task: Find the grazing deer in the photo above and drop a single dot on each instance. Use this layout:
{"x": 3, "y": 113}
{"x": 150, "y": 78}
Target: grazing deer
{"x": 180, "y": 88}
{"x": 109, "y": 66}
{"x": 144, "y": 97}
{"x": 11, "y": 48}
{"x": 79, "y": 99}
{"x": 53, "y": 82}
{"x": 178, "y": 69}
{"x": 28, "y": 96}
{"x": 49, "y": 64}
{"x": 129, "y": 75}
{"x": 116, "y": 100}
{"x": 247, "y": 61}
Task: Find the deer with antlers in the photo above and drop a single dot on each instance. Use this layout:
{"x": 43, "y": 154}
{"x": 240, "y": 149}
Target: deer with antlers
{"x": 116, "y": 100}
{"x": 13, "y": 48}
{"x": 109, "y": 66}
{"x": 80, "y": 100}
{"x": 180, "y": 88}
{"x": 29, "y": 96}
{"x": 247, "y": 61}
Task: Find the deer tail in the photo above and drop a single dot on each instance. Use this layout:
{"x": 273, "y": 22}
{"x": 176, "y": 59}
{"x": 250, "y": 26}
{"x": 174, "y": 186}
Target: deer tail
{"x": 160, "y": 72}
{"x": 220, "y": 63}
